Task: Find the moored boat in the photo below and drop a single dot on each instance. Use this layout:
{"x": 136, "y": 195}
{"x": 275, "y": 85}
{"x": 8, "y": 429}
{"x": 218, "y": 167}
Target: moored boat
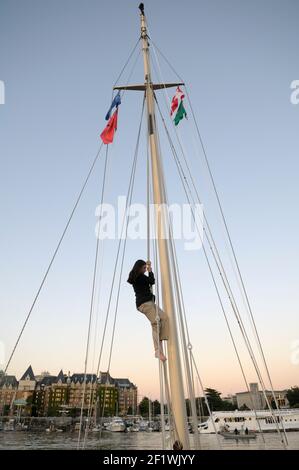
{"x": 252, "y": 420}
{"x": 116, "y": 425}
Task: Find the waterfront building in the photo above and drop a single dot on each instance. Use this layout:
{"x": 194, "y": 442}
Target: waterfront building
{"x": 127, "y": 397}
{"x": 26, "y": 391}
{"x": 27, "y": 384}
{"x": 107, "y": 395}
{"x": 59, "y": 393}
{"x": 257, "y": 399}
{"x": 78, "y": 389}
{"x": 43, "y": 392}
{"x": 231, "y": 399}
{"x": 8, "y": 391}
{"x": 50, "y": 395}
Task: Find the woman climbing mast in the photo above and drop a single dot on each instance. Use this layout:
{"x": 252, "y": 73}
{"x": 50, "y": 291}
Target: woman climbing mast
{"x": 145, "y": 303}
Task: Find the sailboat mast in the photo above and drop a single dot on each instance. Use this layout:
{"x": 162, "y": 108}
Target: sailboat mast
{"x": 174, "y": 360}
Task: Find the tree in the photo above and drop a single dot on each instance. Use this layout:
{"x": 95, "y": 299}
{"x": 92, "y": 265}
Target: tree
{"x": 227, "y": 406}
{"x": 156, "y": 407}
{"x": 53, "y": 410}
{"x": 6, "y": 410}
{"x": 214, "y": 399}
{"x": 293, "y": 396}
{"x": 215, "y": 403}
{"x": 74, "y": 412}
{"x": 30, "y": 405}
{"x": 143, "y": 406}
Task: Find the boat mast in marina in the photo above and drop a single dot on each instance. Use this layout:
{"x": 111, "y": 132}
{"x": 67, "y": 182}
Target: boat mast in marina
{"x": 165, "y": 254}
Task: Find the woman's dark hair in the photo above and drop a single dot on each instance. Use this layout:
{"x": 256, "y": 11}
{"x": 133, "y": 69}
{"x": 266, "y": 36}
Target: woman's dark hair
{"x": 135, "y": 271}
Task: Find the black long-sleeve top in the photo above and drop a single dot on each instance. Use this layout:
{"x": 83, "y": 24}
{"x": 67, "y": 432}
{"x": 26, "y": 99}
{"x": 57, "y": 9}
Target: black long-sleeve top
{"x": 142, "y": 288}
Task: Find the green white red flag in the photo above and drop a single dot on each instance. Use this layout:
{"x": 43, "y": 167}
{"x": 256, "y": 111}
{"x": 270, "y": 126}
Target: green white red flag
{"x": 177, "y": 110}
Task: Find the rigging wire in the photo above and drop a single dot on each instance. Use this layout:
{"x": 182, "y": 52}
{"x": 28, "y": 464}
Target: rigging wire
{"x": 235, "y": 310}
{"x": 205, "y": 398}
{"x": 166, "y": 224}
{"x": 186, "y": 185}
{"x": 92, "y": 298}
{"x": 126, "y": 63}
{"x": 160, "y": 364}
{"x": 148, "y": 195}
{"x": 234, "y": 306}
{"x": 244, "y": 290}
{"x": 67, "y": 224}
{"x": 163, "y": 375}
{"x": 128, "y": 201}
{"x": 53, "y": 256}
{"x": 174, "y": 274}
{"x": 128, "y": 195}
{"x": 128, "y": 79}
{"x": 124, "y": 224}
{"x": 122, "y": 92}
{"x": 163, "y": 379}
{"x": 185, "y": 331}
{"x": 188, "y": 373}
{"x": 95, "y": 268}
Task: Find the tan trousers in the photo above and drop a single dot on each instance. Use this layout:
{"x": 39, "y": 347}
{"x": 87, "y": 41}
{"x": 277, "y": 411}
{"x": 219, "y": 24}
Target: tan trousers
{"x": 160, "y": 331}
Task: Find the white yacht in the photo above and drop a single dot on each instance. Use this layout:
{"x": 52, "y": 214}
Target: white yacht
{"x": 247, "y": 419}
{"x": 116, "y": 425}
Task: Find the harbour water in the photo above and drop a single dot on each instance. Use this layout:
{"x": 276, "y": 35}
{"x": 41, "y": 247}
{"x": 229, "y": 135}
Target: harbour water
{"x": 139, "y": 440}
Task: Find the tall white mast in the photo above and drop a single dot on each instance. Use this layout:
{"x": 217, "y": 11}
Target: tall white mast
{"x": 174, "y": 360}
{"x": 178, "y": 404}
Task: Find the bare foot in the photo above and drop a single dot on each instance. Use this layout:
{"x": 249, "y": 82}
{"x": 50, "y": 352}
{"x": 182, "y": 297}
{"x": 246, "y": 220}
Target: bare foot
{"x": 160, "y": 355}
